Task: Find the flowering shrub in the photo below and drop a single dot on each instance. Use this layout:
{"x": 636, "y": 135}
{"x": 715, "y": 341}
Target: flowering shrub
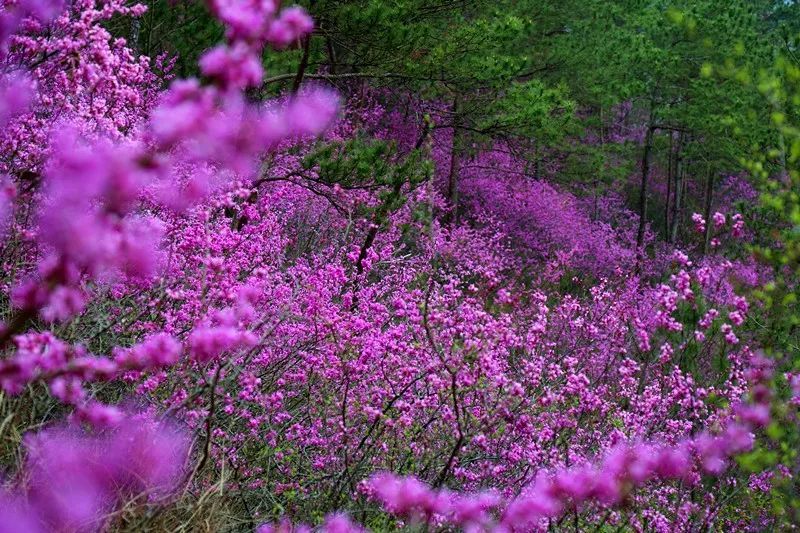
{"x": 216, "y": 300}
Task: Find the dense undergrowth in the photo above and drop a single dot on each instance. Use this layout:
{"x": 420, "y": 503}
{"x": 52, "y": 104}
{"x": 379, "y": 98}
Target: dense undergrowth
{"x": 222, "y": 313}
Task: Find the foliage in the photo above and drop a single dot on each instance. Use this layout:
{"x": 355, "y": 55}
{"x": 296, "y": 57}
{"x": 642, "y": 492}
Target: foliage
{"x": 435, "y": 299}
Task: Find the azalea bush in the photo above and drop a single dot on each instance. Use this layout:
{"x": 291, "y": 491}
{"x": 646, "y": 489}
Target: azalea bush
{"x": 222, "y": 311}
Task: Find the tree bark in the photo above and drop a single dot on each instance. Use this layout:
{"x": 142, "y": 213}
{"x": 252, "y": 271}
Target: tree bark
{"x": 709, "y": 202}
{"x": 670, "y": 170}
{"x": 331, "y": 55}
{"x": 301, "y": 69}
{"x": 452, "y": 176}
{"x": 136, "y": 30}
{"x": 648, "y": 142}
{"x": 672, "y": 236}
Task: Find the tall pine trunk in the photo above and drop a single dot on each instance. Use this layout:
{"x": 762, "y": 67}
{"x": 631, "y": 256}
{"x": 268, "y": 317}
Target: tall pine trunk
{"x": 455, "y": 162}
{"x": 709, "y": 202}
{"x": 648, "y": 146}
{"x": 301, "y": 69}
{"x": 679, "y": 189}
{"x": 670, "y": 170}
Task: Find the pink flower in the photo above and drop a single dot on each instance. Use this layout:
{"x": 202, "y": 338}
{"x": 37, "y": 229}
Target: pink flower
{"x": 673, "y": 463}
{"x": 74, "y": 478}
{"x": 730, "y": 336}
{"x": 737, "y": 439}
{"x": 63, "y": 303}
{"x": 757, "y": 415}
{"x": 155, "y": 351}
{"x": 292, "y": 25}
{"x": 99, "y": 415}
{"x": 699, "y": 223}
{"x": 711, "y": 451}
{"x": 16, "y": 95}
{"x": 310, "y": 113}
{"x": 209, "y": 343}
{"x": 737, "y": 229}
{"x": 244, "y": 20}
{"x": 340, "y": 523}
{"x": 233, "y": 67}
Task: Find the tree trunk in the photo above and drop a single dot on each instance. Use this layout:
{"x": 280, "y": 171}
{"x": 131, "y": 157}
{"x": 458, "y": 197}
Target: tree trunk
{"x": 136, "y": 30}
{"x": 301, "y": 69}
{"x": 648, "y": 142}
{"x": 670, "y": 169}
{"x": 784, "y": 177}
{"x": 709, "y": 202}
{"x": 331, "y": 55}
{"x": 672, "y": 236}
{"x": 455, "y": 163}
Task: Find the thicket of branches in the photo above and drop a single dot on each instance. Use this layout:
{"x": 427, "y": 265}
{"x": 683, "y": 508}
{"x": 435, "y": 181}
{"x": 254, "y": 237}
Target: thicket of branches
{"x": 369, "y": 265}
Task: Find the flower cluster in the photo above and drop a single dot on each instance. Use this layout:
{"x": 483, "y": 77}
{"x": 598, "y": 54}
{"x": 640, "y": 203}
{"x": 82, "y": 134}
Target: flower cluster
{"x": 87, "y": 221}
{"x": 607, "y": 481}
{"x": 73, "y": 480}
{"x": 317, "y": 321}
{"x": 90, "y": 229}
